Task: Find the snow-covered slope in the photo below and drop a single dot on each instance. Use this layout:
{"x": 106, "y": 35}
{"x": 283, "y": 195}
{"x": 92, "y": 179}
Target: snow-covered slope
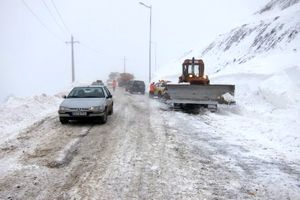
{"x": 272, "y": 30}
{"x": 262, "y": 58}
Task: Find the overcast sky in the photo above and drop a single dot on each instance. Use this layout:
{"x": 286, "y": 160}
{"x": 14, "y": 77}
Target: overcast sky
{"x": 34, "y": 58}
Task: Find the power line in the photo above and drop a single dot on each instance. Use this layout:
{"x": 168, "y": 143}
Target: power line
{"x": 90, "y": 48}
{"x": 40, "y": 21}
{"x": 66, "y": 30}
{"x": 62, "y": 20}
{"x": 66, "y": 27}
{"x": 55, "y": 20}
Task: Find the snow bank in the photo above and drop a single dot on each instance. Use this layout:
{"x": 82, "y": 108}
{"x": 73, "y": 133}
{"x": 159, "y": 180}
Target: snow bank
{"x": 18, "y": 113}
{"x": 268, "y": 98}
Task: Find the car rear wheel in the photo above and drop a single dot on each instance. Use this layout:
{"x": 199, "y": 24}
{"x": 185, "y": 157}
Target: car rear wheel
{"x": 63, "y": 120}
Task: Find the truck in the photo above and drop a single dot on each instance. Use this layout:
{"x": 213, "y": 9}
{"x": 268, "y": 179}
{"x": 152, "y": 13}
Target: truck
{"x": 124, "y": 79}
{"x": 195, "y": 90}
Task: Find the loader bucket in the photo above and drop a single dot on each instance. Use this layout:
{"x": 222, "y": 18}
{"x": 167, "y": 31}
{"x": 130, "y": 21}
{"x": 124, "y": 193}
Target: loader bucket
{"x": 198, "y": 94}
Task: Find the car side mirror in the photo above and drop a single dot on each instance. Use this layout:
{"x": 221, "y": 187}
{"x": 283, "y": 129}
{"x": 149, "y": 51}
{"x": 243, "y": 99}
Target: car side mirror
{"x": 109, "y": 96}
{"x": 64, "y": 96}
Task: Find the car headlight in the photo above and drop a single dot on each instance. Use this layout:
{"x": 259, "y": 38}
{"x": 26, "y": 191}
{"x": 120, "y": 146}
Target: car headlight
{"x": 96, "y": 108}
{"x": 63, "y": 108}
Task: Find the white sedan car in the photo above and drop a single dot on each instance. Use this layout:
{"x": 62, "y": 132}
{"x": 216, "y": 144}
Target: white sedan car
{"x": 86, "y": 102}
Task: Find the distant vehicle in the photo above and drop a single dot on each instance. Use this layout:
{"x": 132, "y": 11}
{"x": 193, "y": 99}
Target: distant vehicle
{"x": 124, "y": 78}
{"x": 94, "y": 102}
{"x": 128, "y": 85}
{"x": 98, "y": 82}
{"x": 136, "y": 86}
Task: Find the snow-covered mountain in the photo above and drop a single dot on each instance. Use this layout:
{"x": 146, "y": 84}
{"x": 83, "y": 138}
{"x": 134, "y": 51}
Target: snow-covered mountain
{"x": 272, "y": 30}
{"x": 276, "y": 27}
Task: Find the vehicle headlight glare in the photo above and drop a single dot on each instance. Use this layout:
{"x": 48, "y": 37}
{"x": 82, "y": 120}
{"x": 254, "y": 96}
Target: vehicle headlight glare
{"x": 63, "y": 108}
{"x": 96, "y": 108}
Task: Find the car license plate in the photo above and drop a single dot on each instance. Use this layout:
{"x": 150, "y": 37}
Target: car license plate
{"x": 79, "y": 113}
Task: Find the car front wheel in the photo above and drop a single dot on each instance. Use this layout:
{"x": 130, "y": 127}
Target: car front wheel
{"x": 63, "y": 120}
{"x": 111, "y": 110}
{"x": 104, "y": 117}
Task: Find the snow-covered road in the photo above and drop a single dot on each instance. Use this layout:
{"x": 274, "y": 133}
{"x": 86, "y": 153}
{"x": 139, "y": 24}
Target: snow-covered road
{"x": 143, "y": 152}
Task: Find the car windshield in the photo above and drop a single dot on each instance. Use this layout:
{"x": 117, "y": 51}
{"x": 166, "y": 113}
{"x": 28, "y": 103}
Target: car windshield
{"x": 87, "y": 92}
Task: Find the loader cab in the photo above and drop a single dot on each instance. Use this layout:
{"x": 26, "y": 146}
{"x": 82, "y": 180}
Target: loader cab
{"x": 193, "y": 72}
{"x": 192, "y": 67}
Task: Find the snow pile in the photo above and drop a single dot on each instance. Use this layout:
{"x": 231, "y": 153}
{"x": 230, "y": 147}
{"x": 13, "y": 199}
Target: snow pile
{"x": 268, "y": 100}
{"x": 228, "y": 97}
{"x": 18, "y": 113}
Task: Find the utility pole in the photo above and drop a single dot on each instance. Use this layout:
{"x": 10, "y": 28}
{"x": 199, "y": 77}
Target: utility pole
{"x": 72, "y": 42}
{"x": 124, "y": 60}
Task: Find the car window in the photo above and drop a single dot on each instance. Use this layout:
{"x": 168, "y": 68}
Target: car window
{"x": 107, "y": 91}
{"x": 87, "y": 92}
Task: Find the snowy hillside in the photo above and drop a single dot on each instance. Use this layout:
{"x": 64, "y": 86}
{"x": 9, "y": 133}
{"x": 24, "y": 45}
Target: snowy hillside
{"x": 271, "y": 31}
{"x": 261, "y": 57}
